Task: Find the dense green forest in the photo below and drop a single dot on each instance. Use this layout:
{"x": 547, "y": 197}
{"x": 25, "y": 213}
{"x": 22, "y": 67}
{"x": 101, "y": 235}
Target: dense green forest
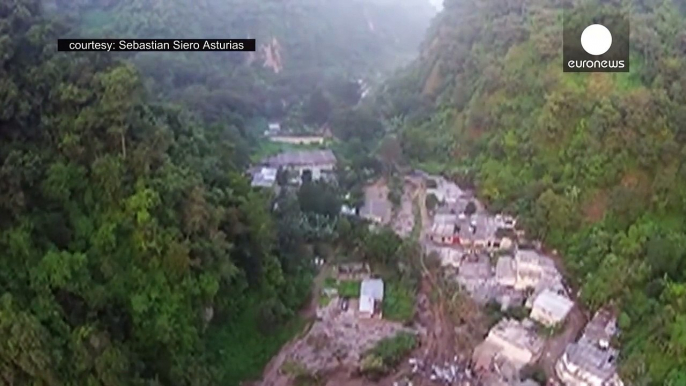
{"x": 134, "y": 250}
{"x": 594, "y": 163}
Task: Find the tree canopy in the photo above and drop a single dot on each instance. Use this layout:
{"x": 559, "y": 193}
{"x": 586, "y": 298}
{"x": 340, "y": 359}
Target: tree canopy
{"x": 593, "y": 162}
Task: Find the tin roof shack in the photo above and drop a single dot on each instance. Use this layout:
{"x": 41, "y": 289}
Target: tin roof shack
{"x": 516, "y": 342}
{"x": 551, "y": 308}
{"x": 320, "y": 163}
{"x": 371, "y": 297}
{"x": 591, "y": 361}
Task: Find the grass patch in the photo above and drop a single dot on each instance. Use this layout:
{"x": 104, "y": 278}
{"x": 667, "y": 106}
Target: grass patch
{"x": 398, "y": 303}
{"x": 387, "y": 354}
{"x": 349, "y": 289}
{"x": 301, "y": 376}
{"x": 330, "y": 282}
{"x": 324, "y": 301}
{"x": 242, "y": 350}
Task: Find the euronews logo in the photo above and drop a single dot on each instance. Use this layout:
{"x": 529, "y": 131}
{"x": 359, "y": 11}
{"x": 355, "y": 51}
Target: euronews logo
{"x": 595, "y": 39}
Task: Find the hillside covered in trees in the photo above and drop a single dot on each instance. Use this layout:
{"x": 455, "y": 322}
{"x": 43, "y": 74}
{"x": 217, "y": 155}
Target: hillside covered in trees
{"x": 594, "y": 163}
{"x": 306, "y": 48}
{"x": 134, "y": 251}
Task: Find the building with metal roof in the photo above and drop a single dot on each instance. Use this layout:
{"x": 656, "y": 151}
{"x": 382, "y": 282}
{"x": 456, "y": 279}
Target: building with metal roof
{"x": 371, "y": 296}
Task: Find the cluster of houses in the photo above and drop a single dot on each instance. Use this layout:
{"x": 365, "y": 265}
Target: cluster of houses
{"x": 482, "y": 252}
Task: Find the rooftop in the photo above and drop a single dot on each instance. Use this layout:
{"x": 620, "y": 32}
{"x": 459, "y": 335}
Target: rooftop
{"x": 557, "y": 305}
{"x": 516, "y": 333}
{"x": 445, "y": 217}
{"x": 372, "y": 288}
{"x": 380, "y": 208}
{"x": 593, "y": 359}
{"x": 602, "y": 327}
{"x": 443, "y": 230}
{"x": 477, "y": 227}
{"x": 304, "y": 157}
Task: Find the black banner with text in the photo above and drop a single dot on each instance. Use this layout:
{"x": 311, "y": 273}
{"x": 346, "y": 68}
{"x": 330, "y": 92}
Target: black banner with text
{"x": 156, "y": 45}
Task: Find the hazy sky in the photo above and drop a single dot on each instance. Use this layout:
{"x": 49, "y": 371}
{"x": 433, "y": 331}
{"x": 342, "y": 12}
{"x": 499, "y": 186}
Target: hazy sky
{"x": 437, "y": 3}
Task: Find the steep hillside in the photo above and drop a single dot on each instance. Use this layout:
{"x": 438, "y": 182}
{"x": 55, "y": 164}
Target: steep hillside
{"x": 304, "y": 45}
{"x": 134, "y": 252}
{"x": 595, "y": 163}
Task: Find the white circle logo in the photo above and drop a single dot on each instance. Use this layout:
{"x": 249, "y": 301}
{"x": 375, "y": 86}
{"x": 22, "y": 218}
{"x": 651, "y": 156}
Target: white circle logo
{"x": 596, "y": 39}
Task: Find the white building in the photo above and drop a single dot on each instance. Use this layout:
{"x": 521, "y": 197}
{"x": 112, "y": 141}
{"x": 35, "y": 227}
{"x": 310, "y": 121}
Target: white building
{"x": 514, "y": 341}
{"x": 551, "y": 308}
{"x": 265, "y": 177}
{"x": 591, "y": 361}
{"x": 371, "y": 297}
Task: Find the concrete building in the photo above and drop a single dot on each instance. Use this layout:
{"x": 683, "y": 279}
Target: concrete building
{"x": 505, "y": 271}
{"x": 591, "y": 361}
{"x": 551, "y": 308}
{"x": 514, "y": 341}
{"x": 371, "y": 297}
{"x": 321, "y": 163}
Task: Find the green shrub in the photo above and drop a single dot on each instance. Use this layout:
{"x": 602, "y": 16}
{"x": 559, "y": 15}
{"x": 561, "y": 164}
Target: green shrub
{"x": 349, "y": 289}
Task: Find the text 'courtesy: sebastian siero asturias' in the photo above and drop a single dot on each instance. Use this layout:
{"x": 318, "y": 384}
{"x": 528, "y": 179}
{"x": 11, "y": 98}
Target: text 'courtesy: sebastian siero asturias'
{"x": 156, "y": 44}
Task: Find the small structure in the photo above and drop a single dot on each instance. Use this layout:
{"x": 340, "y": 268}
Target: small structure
{"x": 371, "y": 297}
{"x": 591, "y": 361}
{"x": 551, "y": 308}
{"x": 511, "y": 340}
{"x": 348, "y": 210}
{"x": 264, "y": 177}
{"x": 273, "y": 128}
{"x": 505, "y": 273}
